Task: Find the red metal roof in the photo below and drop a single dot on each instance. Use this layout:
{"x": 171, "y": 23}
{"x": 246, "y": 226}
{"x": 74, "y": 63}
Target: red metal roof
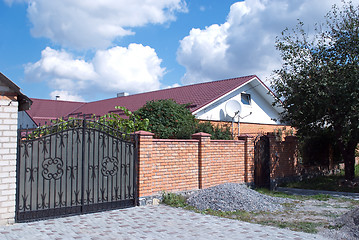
{"x": 197, "y": 95}
{"x": 43, "y": 110}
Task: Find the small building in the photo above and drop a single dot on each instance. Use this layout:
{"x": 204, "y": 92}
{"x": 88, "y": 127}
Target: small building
{"x": 244, "y": 101}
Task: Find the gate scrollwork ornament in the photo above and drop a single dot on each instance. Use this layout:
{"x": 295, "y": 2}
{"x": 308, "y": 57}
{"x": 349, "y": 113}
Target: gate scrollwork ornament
{"x": 52, "y": 168}
{"x": 109, "y": 166}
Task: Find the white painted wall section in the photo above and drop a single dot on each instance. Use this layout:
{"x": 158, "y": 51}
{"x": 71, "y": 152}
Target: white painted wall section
{"x": 259, "y": 111}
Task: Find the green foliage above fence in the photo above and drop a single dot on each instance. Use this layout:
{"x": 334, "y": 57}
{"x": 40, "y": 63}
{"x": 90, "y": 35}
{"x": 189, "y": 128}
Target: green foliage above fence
{"x": 164, "y": 118}
{"x": 132, "y": 123}
{"x": 168, "y": 119}
{"x": 111, "y": 123}
{"x": 222, "y": 133}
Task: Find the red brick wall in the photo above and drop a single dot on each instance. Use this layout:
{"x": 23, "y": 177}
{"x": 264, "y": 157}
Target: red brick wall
{"x": 223, "y": 161}
{"x": 181, "y": 165}
{"x": 283, "y": 157}
{"x": 175, "y": 165}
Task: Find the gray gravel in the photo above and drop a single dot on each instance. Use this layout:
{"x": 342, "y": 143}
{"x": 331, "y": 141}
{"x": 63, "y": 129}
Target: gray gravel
{"x": 234, "y": 196}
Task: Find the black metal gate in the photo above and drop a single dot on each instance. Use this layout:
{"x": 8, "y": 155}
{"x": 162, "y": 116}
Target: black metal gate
{"x": 262, "y": 162}
{"x": 74, "y": 167}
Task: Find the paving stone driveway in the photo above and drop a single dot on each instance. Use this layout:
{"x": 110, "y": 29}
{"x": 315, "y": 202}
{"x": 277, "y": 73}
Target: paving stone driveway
{"x": 147, "y": 222}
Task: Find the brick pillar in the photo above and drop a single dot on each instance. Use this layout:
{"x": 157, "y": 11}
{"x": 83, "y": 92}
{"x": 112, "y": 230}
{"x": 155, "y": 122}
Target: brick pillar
{"x": 8, "y": 149}
{"x": 145, "y": 163}
{"x": 203, "y": 157}
{"x": 248, "y": 157}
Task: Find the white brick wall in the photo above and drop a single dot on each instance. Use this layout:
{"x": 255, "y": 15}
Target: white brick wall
{"x": 8, "y": 131}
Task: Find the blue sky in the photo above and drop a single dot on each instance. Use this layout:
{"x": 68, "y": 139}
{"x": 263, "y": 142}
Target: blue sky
{"x": 86, "y": 50}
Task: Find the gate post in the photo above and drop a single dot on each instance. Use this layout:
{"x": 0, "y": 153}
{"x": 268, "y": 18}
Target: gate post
{"x": 248, "y": 157}
{"x": 145, "y": 163}
{"x": 8, "y": 154}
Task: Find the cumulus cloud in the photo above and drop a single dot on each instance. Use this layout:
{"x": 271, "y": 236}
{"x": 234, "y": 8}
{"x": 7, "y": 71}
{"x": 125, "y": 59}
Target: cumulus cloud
{"x": 96, "y": 24}
{"x": 244, "y": 43}
{"x": 134, "y": 69}
{"x": 65, "y": 95}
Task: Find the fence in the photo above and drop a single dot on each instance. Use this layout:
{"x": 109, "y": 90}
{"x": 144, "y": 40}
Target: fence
{"x": 183, "y": 165}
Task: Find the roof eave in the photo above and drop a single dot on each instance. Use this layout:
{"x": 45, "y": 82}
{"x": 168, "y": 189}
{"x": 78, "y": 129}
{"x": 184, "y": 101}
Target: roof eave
{"x": 24, "y": 101}
{"x": 223, "y": 96}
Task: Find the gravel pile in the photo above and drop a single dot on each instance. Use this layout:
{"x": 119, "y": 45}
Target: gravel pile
{"x": 350, "y": 224}
{"x": 234, "y": 196}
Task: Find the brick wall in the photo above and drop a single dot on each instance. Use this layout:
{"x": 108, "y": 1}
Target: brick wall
{"x": 283, "y": 157}
{"x": 182, "y": 165}
{"x": 8, "y": 144}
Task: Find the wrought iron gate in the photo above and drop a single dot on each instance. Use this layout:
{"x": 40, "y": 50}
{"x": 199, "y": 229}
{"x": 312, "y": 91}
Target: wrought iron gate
{"x": 262, "y": 162}
{"x": 74, "y": 167}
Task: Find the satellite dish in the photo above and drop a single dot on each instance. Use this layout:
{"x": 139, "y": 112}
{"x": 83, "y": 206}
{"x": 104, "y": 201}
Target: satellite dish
{"x": 233, "y": 108}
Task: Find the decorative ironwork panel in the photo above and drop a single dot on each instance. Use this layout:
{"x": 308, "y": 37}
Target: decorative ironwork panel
{"x": 74, "y": 167}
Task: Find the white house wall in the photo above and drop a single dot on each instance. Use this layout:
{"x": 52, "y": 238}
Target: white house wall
{"x": 260, "y": 111}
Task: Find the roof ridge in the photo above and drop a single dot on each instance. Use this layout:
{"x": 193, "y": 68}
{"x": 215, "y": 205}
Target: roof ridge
{"x": 166, "y": 89}
{"x": 58, "y": 100}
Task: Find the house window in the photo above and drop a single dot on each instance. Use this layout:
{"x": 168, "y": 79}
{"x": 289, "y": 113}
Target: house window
{"x": 246, "y": 98}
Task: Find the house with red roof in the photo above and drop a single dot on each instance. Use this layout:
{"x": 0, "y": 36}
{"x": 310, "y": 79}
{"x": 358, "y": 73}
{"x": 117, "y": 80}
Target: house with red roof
{"x": 244, "y": 101}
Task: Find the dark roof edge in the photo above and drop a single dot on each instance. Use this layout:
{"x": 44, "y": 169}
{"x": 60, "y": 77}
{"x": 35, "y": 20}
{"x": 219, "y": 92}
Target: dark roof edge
{"x": 24, "y": 101}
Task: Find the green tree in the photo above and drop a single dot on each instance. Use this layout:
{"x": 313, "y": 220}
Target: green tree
{"x": 319, "y": 80}
{"x": 167, "y": 119}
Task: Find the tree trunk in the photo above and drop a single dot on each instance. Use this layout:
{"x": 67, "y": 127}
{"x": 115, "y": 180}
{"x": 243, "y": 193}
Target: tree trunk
{"x": 348, "y": 153}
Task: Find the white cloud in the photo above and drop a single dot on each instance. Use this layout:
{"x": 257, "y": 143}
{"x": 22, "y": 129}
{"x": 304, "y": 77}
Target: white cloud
{"x": 210, "y": 42}
{"x": 244, "y": 44}
{"x": 96, "y": 24}
{"x": 172, "y": 86}
{"x": 133, "y": 69}
{"x": 60, "y": 63}
{"x": 65, "y": 95}
{"x": 118, "y": 69}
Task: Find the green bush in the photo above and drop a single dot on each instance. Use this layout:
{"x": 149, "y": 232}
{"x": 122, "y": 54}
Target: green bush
{"x": 223, "y": 133}
{"x": 168, "y": 119}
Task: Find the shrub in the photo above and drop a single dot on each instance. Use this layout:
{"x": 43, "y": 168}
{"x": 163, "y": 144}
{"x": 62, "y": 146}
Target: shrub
{"x": 168, "y": 119}
{"x": 223, "y": 133}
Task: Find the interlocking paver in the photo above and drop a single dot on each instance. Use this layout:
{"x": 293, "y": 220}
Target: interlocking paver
{"x": 147, "y": 222}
